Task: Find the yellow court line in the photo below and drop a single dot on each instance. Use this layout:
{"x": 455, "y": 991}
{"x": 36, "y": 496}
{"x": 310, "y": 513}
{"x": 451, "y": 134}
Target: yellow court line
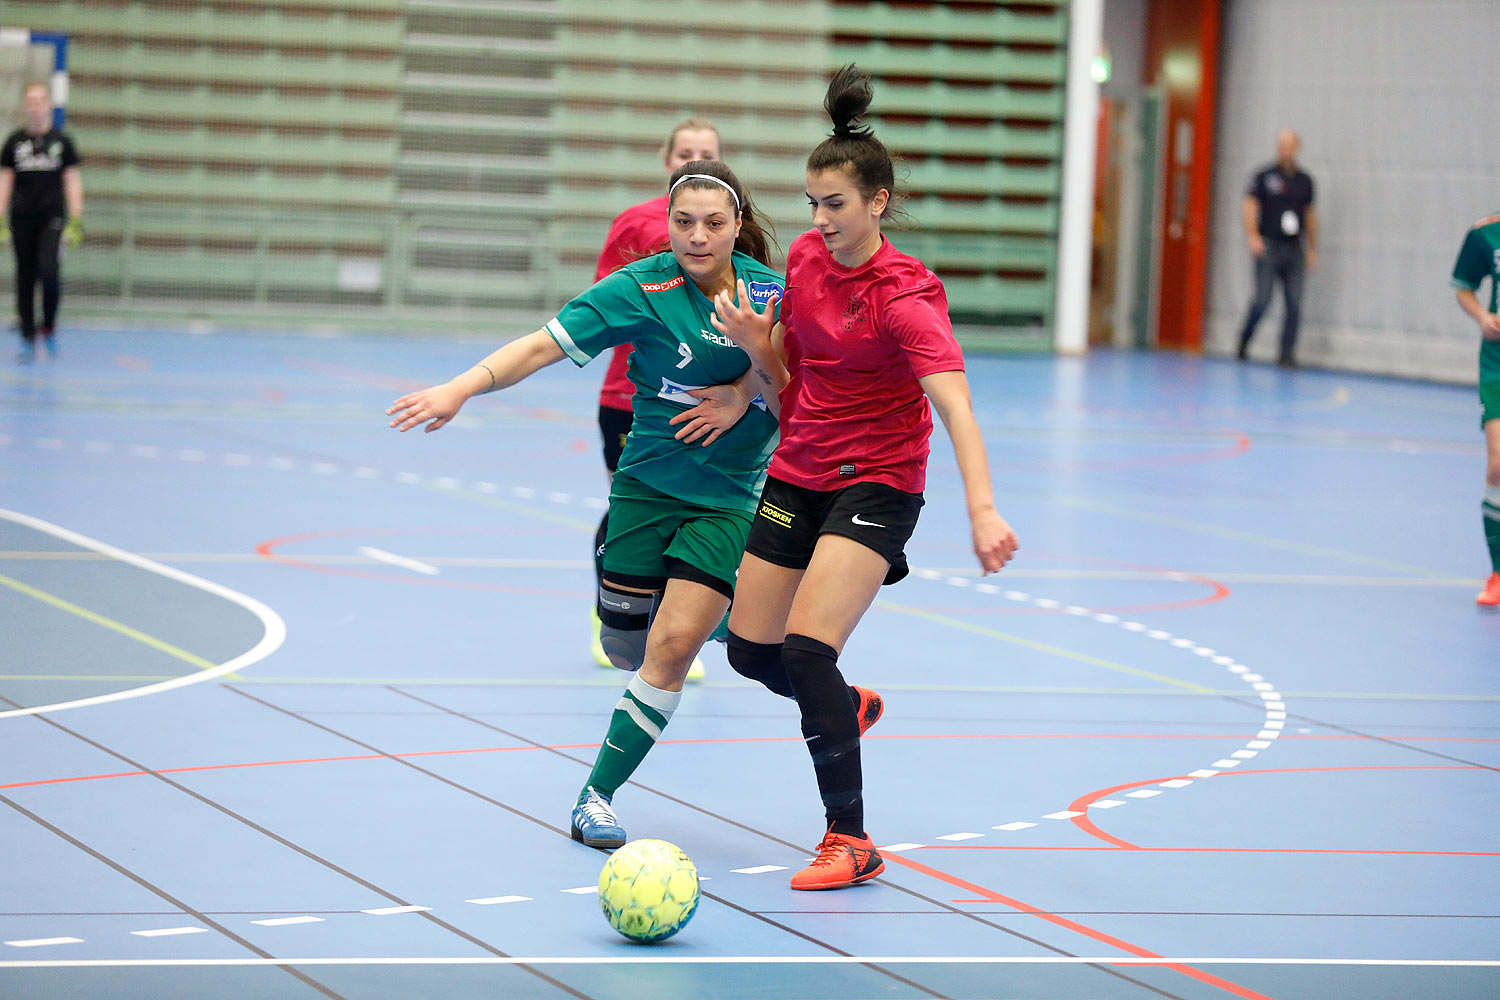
{"x": 1043, "y": 647}
{"x": 109, "y": 623}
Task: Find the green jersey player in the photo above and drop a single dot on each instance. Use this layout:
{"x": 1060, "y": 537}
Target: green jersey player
{"x": 680, "y": 510}
{"x": 1479, "y": 258}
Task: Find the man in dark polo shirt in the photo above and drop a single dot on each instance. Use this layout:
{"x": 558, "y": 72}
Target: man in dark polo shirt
{"x": 41, "y": 206}
{"x": 1279, "y": 215}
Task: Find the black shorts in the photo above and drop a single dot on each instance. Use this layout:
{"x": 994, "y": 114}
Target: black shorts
{"x": 614, "y": 426}
{"x": 790, "y": 519}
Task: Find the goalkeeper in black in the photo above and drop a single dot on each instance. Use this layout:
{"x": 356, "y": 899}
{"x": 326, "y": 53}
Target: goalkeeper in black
{"x": 41, "y": 211}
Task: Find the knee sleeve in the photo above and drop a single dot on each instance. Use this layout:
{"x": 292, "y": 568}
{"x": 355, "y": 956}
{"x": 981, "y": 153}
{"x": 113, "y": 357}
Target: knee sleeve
{"x": 624, "y": 620}
{"x": 761, "y": 662}
{"x": 830, "y": 723}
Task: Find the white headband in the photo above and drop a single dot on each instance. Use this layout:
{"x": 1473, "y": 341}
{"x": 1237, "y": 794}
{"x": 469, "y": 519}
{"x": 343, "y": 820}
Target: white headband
{"x": 707, "y": 177}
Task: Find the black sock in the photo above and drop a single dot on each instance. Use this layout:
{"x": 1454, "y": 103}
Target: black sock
{"x": 831, "y": 729}
{"x": 599, "y": 537}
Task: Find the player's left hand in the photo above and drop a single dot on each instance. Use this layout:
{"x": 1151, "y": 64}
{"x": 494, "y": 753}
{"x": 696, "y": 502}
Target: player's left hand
{"x": 721, "y": 407}
{"x": 72, "y": 233}
{"x": 1489, "y": 326}
{"x": 994, "y": 541}
{"x": 433, "y": 406}
{"x": 743, "y": 323}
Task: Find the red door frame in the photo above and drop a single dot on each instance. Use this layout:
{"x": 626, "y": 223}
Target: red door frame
{"x": 1182, "y": 58}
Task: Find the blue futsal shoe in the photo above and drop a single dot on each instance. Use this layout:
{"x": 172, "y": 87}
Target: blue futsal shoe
{"x": 594, "y": 822}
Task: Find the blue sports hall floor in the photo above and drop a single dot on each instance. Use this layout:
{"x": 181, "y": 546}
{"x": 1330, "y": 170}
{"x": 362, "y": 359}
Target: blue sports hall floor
{"x": 292, "y": 705}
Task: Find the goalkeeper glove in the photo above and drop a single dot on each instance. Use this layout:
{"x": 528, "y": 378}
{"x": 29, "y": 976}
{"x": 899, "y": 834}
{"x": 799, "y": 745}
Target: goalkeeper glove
{"x": 73, "y": 232}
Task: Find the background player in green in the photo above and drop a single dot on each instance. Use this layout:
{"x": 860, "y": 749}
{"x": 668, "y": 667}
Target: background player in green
{"x": 679, "y": 510}
{"x": 1479, "y": 258}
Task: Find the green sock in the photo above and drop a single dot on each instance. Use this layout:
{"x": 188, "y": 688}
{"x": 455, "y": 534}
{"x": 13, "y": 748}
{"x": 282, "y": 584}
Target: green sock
{"x": 1491, "y": 510}
{"x": 641, "y": 714}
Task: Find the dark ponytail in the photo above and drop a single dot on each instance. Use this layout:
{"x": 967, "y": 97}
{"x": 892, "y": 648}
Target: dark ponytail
{"x": 853, "y": 146}
{"x": 756, "y": 234}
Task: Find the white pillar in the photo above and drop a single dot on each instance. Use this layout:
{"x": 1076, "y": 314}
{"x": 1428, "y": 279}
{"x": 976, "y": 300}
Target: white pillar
{"x": 1075, "y": 238}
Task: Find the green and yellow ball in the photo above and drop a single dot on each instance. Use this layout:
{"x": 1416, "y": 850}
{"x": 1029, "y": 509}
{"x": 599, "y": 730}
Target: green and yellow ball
{"x": 648, "y": 890}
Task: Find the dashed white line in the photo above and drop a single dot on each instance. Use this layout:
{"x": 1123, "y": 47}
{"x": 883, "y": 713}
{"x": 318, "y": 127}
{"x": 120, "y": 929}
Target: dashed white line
{"x": 960, "y": 836}
{"x": 1064, "y": 814}
{"x": 759, "y": 869}
{"x": 43, "y": 942}
{"x": 582, "y": 889}
{"x": 492, "y": 900}
{"x": 287, "y": 921}
{"x": 1014, "y": 826}
{"x": 170, "y": 932}
{"x": 380, "y": 555}
{"x": 389, "y": 911}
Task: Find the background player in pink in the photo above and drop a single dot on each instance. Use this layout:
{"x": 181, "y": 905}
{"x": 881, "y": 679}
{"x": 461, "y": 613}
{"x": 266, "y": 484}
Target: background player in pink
{"x": 866, "y": 340}
{"x": 637, "y": 232}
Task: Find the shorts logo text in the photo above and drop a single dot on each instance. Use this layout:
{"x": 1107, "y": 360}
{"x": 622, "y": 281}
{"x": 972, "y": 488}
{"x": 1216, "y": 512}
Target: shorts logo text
{"x": 771, "y": 512}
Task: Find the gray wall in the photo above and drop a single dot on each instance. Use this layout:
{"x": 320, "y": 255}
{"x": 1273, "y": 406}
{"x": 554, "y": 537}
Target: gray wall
{"x": 1396, "y": 101}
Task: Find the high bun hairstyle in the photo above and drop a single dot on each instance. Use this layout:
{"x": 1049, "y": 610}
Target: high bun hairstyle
{"x": 756, "y": 234}
{"x": 852, "y": 146}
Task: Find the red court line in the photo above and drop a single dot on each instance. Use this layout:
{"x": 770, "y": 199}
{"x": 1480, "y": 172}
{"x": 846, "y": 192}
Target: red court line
{"x": 1214, "y": 850}
{"x": 265, "y": 549}
{"x": 1109, "y": 940}
{"x": 726, "y": 740}
{"x": 1086, "y": 824}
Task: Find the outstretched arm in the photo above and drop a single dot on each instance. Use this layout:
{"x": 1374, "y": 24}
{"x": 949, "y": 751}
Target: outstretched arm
{"x": 438, "y": 404}
{"x": 994, "y": 541}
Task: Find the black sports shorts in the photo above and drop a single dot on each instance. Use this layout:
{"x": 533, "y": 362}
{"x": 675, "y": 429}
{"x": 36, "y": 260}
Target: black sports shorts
{"x": 790, "y": 519}
{"x": 614, "y": 426}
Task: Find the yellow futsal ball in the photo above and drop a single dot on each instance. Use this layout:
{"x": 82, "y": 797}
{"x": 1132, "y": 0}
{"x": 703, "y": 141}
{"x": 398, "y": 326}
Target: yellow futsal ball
{"x": 648, "y": 890}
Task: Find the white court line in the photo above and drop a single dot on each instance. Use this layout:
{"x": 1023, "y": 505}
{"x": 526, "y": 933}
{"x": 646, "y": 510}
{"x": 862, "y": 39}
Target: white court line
{"x": 287, "y": 921}
{"x": 170, "y": 931}
{"x": 381, "y": 555}
{"x": 118, "y": 963}
{"x": 275, "y": 628}
{"x": 389, "y": 911}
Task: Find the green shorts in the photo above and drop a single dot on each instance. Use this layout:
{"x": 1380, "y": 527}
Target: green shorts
{"x": 653, "y": 537}
{"x": 1489, "y": 401}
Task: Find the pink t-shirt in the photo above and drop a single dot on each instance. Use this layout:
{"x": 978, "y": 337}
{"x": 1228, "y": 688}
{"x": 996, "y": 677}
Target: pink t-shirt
{"x": 857, "y": 341}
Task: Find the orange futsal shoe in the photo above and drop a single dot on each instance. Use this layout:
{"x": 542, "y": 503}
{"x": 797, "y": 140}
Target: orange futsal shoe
{"x": 1490, "y": 595}
{"x": 870, "y": 707}
{"x": 842, "y": 861}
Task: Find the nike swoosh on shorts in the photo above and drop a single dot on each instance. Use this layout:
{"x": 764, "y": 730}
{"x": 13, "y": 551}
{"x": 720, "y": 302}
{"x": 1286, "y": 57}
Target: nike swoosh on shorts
{"x": 865, "y": 524}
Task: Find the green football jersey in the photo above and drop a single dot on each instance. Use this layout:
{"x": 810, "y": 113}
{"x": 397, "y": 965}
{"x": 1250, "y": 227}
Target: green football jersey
{"x": 1479, "y": 258}
{"x": 653, "y": 305}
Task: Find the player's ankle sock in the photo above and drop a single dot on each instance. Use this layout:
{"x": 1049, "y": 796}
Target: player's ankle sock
{"x": 1491, "y": 510}
{"x": 641, "y": 714}
{"x": 830, "y": 727}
